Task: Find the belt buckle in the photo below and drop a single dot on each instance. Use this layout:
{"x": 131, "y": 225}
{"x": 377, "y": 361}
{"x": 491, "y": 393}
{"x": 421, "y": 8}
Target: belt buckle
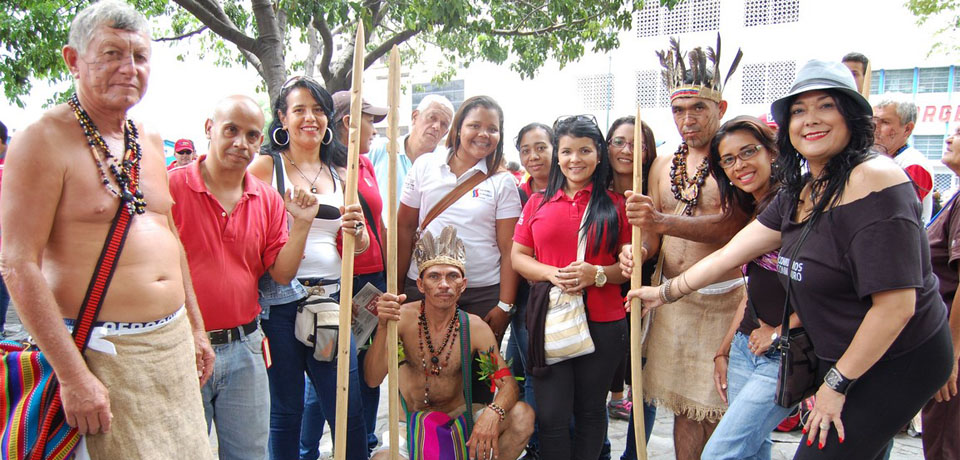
{"x": 316, "y": 290}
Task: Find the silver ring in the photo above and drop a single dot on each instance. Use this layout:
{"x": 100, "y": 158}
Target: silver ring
{"x": 825, "y": 426}
{"x": 358, "y": 229}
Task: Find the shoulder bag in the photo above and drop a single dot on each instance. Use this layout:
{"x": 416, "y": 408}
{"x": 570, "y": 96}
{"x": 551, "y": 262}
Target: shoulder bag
{"x": 35, "y": 426}
{"x": 797, "y": 379}
{"x": 566, "y": 333}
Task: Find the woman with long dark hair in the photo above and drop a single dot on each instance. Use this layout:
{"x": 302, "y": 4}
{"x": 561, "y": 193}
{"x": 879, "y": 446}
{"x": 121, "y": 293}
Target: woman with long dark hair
{"x": 305, "y": 151}
{"x": 856, "y": 263}
{"x": 545, "y": 250}
{"x": 484, "y": 216}
{"x": 746, "y": 363}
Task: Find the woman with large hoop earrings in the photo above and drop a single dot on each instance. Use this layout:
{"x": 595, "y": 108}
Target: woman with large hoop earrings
{"x": 307, "y": 153}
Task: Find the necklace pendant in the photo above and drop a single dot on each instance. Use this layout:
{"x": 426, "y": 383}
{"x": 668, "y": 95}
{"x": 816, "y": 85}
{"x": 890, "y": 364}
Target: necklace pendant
{"x": 313, "y": 190}
{"x": 691, "y": 192}
{"x": 435, "y": 360}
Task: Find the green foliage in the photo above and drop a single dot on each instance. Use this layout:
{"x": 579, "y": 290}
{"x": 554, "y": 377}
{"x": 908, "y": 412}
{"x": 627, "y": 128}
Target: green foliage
{"x": 525, "y": 33}
{"x": 946, "y": 13}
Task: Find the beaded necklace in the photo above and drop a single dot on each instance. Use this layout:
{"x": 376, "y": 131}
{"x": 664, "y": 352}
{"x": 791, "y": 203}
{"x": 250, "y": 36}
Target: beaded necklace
{"x": 687, "y": 191}
{"x": 453, "y": 329}
{"x": 125, "y": 170}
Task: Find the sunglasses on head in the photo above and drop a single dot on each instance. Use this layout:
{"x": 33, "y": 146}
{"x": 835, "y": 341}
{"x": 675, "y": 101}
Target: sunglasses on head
{"x": 293, "y": 80}
{"x": 572, "y": 118}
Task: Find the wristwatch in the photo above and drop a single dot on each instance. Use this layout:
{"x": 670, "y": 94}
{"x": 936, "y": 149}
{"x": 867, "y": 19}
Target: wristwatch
{"x": 837, "y": 382}
{"x": 507, "y": 307}
{"x": 774, "y": 337}
{"x": 601, "y": 277}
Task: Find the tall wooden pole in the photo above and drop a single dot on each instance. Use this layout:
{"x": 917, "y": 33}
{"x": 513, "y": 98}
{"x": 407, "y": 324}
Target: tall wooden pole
{"x": 867, "y": 74}
{"x": 349, "y": 244}
{"x": 393, "y": 135}
{"x": 636, "y": 321}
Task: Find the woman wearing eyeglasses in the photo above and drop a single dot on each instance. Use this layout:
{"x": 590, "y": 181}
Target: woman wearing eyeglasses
{"x": 545, "y": 250}
{"x": 305, "y": 152}
{"x": 746, "y": 364}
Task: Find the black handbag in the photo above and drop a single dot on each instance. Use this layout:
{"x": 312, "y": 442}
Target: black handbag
{"x": 797, "y": 379}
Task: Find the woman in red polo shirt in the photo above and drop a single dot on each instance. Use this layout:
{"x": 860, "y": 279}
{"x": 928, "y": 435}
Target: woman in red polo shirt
{"x": 545, "y": 250}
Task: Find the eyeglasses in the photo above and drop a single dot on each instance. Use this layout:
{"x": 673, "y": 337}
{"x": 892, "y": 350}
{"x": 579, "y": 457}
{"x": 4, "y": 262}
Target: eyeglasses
{"x": 746, "y": 153}
{"x": 293, "y": 80}
{"x": 572, "y": 118}
{"x": 621, "y": 143}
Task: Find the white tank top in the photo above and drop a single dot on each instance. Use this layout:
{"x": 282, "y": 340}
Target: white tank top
{"x": 320, "y": 256}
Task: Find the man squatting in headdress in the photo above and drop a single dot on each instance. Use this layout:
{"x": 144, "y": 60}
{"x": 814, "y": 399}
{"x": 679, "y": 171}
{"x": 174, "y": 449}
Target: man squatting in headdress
{"x": 431, "y": 380}
{"x": 682, "y": 220}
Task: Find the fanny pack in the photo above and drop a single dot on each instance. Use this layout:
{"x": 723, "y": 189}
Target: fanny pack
{"x": 317, "y": 324}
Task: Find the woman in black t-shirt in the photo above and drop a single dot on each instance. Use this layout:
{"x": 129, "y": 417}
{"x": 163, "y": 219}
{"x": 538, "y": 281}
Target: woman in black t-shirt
{"x": 861, "y": 281}
{"x": 742, "y": 155}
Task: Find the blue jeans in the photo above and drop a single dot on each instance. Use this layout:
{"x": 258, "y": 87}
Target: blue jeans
{"x": 291, "y": 360}
{"x": 649, "y": 417}
{"x": 744, "y": 431}
{"x": 313, "y": 417}
{"x": 237, "y": 398}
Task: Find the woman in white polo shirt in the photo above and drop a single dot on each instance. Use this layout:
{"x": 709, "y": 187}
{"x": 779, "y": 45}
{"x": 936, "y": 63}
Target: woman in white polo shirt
{"x": 484, "y": 216}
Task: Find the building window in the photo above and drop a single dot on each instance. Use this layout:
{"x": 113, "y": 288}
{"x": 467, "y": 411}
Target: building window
{"x": 687, "y": 16}
{"x": 651, "y": 89}
{"x": 766, "y": 82}
{"x": 452, "y": 90}
{"x": 875, "y": 82}
{"x": 942, "y": 183}
{"x": 898, "y": 81}
{"x": 596, "y": 91}
{"x": 933, "y": 80}
{"x": 766, "y": 12}
{"x": 930, "y": 146}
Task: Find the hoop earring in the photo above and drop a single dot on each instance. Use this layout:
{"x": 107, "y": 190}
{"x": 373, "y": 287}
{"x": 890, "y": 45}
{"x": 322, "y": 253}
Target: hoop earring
{"x": 273, "y": 135}
{"x": 327, "y": 137}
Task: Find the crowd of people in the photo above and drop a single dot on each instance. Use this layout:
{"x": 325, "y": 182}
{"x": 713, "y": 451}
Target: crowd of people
{"x": 213, "y": 318}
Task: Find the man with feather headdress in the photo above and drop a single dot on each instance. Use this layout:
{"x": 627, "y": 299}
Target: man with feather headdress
{"x": 682, "y": 220}
{"x": 435, "y": 335}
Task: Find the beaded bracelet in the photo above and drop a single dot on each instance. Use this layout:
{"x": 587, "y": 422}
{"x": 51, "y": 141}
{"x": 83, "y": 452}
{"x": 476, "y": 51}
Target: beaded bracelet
{"x": 499, "y": 410}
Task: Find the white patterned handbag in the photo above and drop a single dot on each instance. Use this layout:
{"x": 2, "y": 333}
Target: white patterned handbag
{"x": 566, "y": 333}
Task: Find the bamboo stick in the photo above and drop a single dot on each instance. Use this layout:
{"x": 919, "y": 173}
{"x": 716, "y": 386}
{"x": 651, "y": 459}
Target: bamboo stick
{"x": 636, "y": 323}
{"x": 867, "y": 74}
{"x": 393, "y": 119}
{"x": 349, "y": 244}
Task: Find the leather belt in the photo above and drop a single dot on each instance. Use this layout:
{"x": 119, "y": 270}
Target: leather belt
{"x": 225, "y": 336}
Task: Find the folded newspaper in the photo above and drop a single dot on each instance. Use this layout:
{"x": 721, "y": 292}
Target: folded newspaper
{"x": 365, "y": 313}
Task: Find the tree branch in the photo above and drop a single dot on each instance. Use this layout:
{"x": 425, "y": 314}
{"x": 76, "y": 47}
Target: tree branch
{"x": 182, "y": 36}
{"x": 310, "y": 63}
{"x": 211, "y": 14}
{"x": 523, "y": 33}
{"x": 385, "y": 47}
{"x": 320, "y": 24}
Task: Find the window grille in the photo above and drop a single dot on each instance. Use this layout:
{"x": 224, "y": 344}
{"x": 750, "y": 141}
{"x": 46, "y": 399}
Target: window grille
{"x": 596, "y": 91}
{"x": 452, "y": 90}
{"x": 875, "y": 82}
{"x": 651, "y": 89}
{"x": 933, "y": 80}
{"x": 766, "y": 12}
{"x": 687, "y": 16}
{"x": 943, "y": 182}
{"x": 898, "y": 81}
{"x": 931, "y": 146}
{"x": 766, "y": 82}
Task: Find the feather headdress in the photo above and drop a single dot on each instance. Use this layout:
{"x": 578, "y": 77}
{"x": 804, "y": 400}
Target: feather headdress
{"x": 700, "y": 79}
{"x": 446, "y": 249}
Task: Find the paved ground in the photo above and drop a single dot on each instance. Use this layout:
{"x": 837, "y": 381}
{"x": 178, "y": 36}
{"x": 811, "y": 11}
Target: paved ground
{"x": 659, "y": 448}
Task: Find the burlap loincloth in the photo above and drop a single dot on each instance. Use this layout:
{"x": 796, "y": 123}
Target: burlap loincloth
{"x": 680, "y": 347}
{"x": 154, "y": 397}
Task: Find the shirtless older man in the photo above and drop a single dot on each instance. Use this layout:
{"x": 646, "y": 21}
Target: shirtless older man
{"x": 142, "y": 399}
{"x": 684, "y": 207}
{"x": 431, "y": 379}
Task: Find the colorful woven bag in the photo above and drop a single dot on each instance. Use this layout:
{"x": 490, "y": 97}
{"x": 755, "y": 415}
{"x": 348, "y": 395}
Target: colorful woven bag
{"x": 34, "y": 424}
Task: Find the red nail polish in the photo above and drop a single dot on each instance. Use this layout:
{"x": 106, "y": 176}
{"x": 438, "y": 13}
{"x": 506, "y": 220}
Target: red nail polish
{"x": 841, "y": 440}
{"x": 809, "y": 442}
{"x": 804, "y": 430}
{"x": 821, "y": 446}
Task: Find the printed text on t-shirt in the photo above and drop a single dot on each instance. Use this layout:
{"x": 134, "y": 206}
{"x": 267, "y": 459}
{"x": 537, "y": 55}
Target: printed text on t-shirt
{"x": 796, "y": 268}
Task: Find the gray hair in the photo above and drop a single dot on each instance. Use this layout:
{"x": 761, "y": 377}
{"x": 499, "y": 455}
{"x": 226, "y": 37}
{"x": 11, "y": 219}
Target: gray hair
{"x": 112, "y": 13}
{"x": 906, "y": 110}
{"x": 435, "y": 99}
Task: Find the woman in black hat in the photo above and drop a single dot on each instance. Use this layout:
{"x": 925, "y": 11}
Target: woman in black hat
{"x": 858, "y": 263}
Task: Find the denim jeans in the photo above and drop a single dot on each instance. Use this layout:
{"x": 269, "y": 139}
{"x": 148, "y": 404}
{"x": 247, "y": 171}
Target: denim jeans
{"x": 237, "y": 398}
{"x": 744, "y": 431}
{"x": 290, "y": 360}
{"x": 649, "y": 417}
{"x": 313, "y": 417}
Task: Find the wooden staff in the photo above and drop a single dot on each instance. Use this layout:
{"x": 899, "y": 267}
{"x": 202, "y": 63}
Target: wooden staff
{"x": 349, "y": 244}
{"x": 636, "y": 324}
{"x": 865, "y": 90}
{"x": 393, "y": 120}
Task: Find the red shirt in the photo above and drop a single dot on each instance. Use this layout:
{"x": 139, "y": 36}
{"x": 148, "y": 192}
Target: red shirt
{"x": 552, "y": 231}
{"x": 227, "y": 253}
{"x": 370, "y": 261}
